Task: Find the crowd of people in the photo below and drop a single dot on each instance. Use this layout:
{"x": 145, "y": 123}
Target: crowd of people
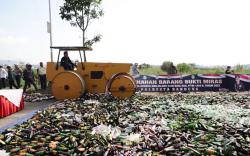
{"x": 13, "y": 76}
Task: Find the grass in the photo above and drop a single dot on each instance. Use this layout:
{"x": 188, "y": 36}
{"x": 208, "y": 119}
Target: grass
{"x": 152, "y": 71}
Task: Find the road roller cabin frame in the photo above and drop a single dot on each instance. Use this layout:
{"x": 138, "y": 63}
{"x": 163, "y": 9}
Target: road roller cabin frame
{"x": 91, "y": 77}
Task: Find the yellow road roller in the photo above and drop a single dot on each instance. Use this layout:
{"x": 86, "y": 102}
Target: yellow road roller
{"x": 89, "y": 77}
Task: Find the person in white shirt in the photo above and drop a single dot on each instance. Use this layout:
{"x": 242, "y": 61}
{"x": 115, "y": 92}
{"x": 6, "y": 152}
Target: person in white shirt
{"x": 41, "y": 71}
{"x": 3, "y": 76}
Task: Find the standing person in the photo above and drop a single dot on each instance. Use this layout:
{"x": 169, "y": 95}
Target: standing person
{"x": 135, "y": 69}
{"x": 28, "y": 83}
{"x": 28, "y": 76}
{"x": 18, "y": 74}
{"x": 228, "y": 70}
{"x": 41, "y": 71}
{"x": 66, "y": 63}
{"x": 11, "y": 78}
{"x": 228, "y": 80}
{"x": 237, "y": 85}
{"x": 3, "y": 76}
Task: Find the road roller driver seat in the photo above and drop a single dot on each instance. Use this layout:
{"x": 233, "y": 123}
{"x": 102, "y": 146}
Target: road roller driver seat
{"x": 66, "y": 63}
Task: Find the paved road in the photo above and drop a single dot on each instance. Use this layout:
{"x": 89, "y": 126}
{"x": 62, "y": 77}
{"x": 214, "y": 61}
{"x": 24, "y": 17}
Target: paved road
{"x": 29, "y": 110}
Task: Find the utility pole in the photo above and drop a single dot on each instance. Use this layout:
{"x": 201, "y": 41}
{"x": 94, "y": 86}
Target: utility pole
{"x": 50, "y": 32}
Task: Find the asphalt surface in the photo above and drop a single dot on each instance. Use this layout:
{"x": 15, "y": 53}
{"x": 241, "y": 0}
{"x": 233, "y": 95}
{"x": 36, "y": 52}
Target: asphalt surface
{"x": 19, "y": 117}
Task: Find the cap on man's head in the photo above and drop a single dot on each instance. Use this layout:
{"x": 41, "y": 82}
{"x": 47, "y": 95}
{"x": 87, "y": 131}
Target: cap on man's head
{"x": 65, "y": 52}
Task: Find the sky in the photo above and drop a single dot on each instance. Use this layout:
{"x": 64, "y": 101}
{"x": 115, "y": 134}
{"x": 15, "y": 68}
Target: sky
{"x": 204, "y": 32}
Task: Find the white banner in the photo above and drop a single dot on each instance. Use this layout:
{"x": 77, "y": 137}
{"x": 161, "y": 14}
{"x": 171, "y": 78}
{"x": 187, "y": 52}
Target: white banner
{"x": 13, "y": 95}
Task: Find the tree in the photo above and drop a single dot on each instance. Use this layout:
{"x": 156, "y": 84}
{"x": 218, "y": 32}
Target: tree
{"x": 193, "y": 65}
{"x": 239, "y": 68}
{"x": 169, "y": 67}
{"x": 184, "y": 68}
{"x": 80, "y": 13}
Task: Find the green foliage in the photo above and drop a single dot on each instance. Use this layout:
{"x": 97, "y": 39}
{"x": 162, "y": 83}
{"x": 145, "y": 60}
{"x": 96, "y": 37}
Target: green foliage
{"x": 184, "y": 68}
{"x": 154, "y": 70}
{"x": 193, "y": 65}
{"x": 144, "y": 65}
{"x": 168, "y": 66}
{"x": 89, "y": 43}
{"x": 80, "y": 13}
{"x": 238, "y": 68}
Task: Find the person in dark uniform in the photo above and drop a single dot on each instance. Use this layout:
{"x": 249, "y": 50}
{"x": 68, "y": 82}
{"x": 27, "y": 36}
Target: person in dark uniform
{"x": 28, "y": 83}
{"x": 66, "y": 63}
{"x": 28, "y": 76}
{"x": 11, "y": 78}
{"x": 228, "y": 70}
{"x": 229, "y": 81}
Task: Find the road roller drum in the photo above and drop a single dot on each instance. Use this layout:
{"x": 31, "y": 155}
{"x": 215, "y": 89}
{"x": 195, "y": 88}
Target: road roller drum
{"x": 67, "y": 85}
{"x": 122, "y": 85}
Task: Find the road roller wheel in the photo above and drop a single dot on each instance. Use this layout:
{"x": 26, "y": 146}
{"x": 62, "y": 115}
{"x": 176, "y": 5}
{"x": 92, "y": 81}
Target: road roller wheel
{"x": 67, "y": 85}
{"x": 122, "y": 85}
